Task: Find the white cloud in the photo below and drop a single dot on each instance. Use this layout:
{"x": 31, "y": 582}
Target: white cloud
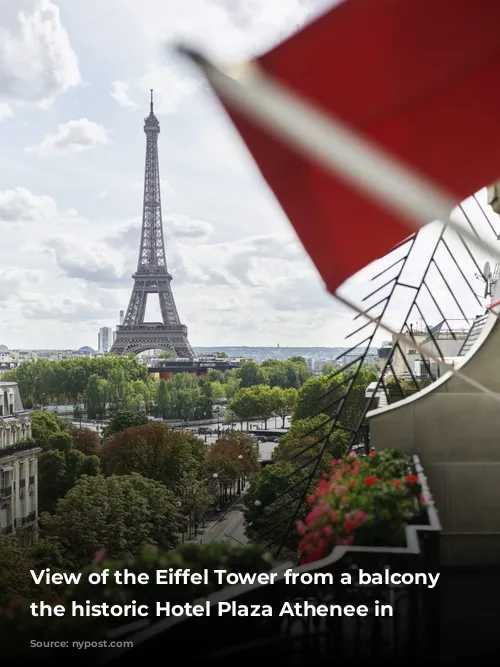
{"x": 183, "y": 226}
{"x": 170, "y": 87}
{"x": 5, "y": 111}
{"x": 12, "y": 281}
{"x": 120, "y": 91}
{"x": 75, "y": 136}
{"x": 37, "y": 61}
{"x": 20, "y": 205}
{"x": 63, "y": 307}
{"x": 98, "y": 264}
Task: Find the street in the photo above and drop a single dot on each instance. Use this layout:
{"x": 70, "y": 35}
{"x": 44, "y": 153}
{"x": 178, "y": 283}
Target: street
{"x": 229, "y": 528}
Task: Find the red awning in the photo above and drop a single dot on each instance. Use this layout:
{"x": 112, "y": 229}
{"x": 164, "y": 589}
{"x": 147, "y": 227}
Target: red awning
{"x": 420, "y": 78}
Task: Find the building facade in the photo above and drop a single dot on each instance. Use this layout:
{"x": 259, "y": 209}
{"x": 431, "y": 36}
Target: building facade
{"x": 18, "y": 468}
{"x": 105, "y": 339}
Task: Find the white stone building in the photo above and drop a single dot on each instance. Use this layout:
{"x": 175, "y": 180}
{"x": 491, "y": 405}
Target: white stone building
{"x": 18, "y": 467}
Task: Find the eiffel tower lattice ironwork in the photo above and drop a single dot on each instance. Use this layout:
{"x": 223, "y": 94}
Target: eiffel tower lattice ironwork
{"x": 152, "y": 276}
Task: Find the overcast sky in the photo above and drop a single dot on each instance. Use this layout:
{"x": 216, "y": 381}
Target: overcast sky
{"x": 74, "y": 90}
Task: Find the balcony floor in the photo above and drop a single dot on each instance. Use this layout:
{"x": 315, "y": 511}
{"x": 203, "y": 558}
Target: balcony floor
{"x": 470, "y": 614}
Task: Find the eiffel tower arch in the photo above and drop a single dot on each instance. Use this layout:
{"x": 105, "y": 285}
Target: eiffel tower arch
{"x": 152, "y": 276}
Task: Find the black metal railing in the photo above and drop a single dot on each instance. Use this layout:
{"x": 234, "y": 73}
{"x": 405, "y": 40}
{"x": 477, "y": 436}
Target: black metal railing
{"x": 5, "y": 530}
{"x": 410, "y": 636}
{"x": 22, "y": 483}
{"x": 6, "y": 491}
{"x": 32, "y": 480}
{"x": 29, "y": 518}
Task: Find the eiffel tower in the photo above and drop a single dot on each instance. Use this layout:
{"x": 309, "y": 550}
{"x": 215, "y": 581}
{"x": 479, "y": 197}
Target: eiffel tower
{"x": 152, "y": 276}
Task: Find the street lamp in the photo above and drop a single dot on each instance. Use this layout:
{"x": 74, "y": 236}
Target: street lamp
{"x": 218, "y": 492}
{"x": 217, "y": 410}
{"x": 240, "y": 458}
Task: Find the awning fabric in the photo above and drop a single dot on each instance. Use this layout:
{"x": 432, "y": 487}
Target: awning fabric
{"x": 420, "y": 78}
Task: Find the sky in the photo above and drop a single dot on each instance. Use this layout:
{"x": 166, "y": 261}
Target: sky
{"x": 74, "y": 90}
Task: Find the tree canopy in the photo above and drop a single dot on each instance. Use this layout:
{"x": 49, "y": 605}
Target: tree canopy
{"x": 59, "y": 467}
{"x": 43, "y": 381}
{"x": 119, "y": 513}
{"x": 155, "y": 451}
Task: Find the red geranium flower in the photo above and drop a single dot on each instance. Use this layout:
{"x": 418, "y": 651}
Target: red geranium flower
{"x": 371, "y": 480}
{"x": 397, "y": 483}
{"x": 411, "y": 479}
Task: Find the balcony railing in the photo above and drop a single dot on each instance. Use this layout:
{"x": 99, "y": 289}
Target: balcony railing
{"x": 29, "y": 518}
{"x": 22, "y": 483}
{"x": 410, "y": 636}
{"x": 10, "y": 450}
{"x": 6, "y": 492}
{"x": 32, "y": 480}
{"x": 5, "y": 530}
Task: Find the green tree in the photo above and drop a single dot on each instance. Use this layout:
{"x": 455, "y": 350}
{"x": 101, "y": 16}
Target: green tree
{"x": 217, "y": 390}
{"x": 59, "y": 468}
{"x": 118, "y": 388}
{"x": 231, "y": 386}
{"x": 305, "y": 440}
{"x": 163, "y": 400}
{"x": 275, "y": 372}
{"x": 123, "y": 419}
{"x": 61, "y": 441}
{"x": 244, "y": 405}
{"x": 155, "y": 451}
{"x": 269, "y": 502}
{"x": 96, "y": 396}
{"x": 15, "y": 579}
{"x": 214, "y": 375}
{"x": 324, "y": 393}
{"x": 44, "y": 424}
{"x": 264, "y": 402}
{"x": 119, "y": 513}
{"x": 167, "y": 355}
{"x": 43, "y": 381}
{"x": 296, "y": 372}
{"x": 250, "y": 374}
{"x": 284, "y": 402}
{"x": 328, "y": 368}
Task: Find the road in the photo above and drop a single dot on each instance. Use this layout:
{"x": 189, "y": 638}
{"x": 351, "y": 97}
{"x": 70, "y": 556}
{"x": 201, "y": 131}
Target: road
{"x": 229, "y": 528}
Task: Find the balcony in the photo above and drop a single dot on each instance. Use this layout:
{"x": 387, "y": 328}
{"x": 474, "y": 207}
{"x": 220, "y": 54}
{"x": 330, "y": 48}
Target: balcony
{"x": 28, "y": 519}
{"x": 32, "y": 480}
{"x": 6, "y": 530}
{"x": 410, "y": 636}
{"x": 6, "y": 492}
{"x": 20, "y": 447}
{"x": 22, "y": 483}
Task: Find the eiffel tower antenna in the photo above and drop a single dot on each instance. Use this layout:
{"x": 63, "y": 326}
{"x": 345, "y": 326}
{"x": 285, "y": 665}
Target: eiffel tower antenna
{"x": 152, "y": 276}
